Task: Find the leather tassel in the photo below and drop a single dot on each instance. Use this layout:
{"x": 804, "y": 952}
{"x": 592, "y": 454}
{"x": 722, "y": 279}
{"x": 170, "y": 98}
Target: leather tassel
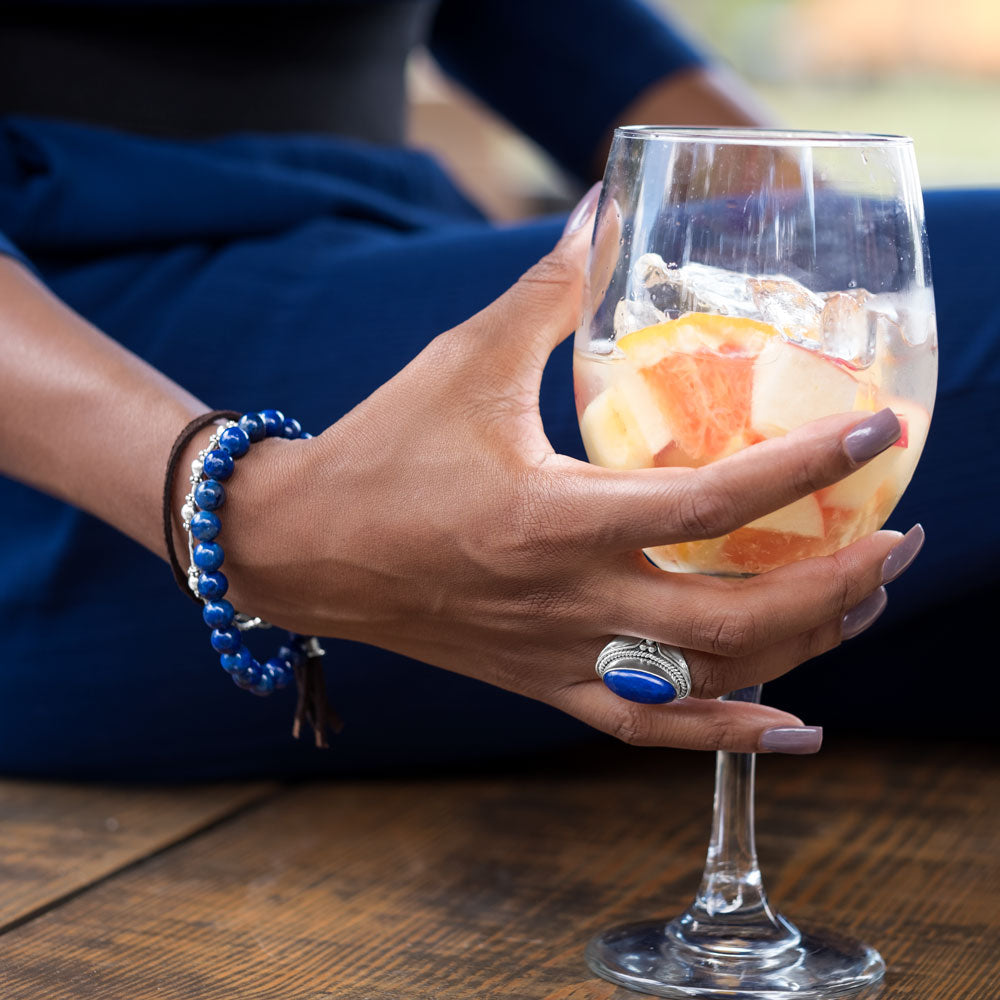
{"x": 313, "y": 706}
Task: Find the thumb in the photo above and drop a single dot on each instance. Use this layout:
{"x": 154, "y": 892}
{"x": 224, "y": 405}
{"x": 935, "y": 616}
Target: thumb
{"x": 543, "y": 307}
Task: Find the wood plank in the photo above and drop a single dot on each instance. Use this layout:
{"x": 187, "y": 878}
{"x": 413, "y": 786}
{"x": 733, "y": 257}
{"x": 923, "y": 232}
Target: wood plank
{"x": 489, "y": 887}
{"x": 56, "y": 839}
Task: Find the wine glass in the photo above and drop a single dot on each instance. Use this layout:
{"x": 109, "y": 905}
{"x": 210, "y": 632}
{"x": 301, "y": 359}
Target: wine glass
{"x": 742, "y": 283}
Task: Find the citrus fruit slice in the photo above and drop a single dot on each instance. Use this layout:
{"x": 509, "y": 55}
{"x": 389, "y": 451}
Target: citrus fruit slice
{"x": 700, "y": 371}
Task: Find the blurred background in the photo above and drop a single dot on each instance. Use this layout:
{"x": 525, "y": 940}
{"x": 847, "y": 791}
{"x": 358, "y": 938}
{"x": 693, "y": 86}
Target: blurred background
{"x": 925, "y": 68}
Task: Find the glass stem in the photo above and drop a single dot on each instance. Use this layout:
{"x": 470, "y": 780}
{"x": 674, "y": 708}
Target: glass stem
{"x": 730, "y": 911}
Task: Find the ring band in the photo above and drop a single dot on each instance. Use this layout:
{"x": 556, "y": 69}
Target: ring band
{"x": 644, "y": 670}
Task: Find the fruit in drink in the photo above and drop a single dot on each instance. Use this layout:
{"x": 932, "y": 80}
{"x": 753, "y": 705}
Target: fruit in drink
{"x": 693, "y": 390}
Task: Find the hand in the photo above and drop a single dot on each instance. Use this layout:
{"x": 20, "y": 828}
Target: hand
{"x": 436, "y": 520}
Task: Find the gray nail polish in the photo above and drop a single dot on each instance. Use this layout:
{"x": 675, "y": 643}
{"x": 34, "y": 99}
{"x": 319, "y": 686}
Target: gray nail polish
{"x": 584, "y": 209}
{"x": 900, "y": 558}
{"x": 864, "y": 614}
{"x": 872, "y": 436}
{"x": 792, "y": 739}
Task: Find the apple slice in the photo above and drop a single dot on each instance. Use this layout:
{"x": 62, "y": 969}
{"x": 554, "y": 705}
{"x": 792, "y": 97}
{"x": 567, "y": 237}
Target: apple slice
{"x": 892, "y": 469}
{"x": 623, "y": 428}
{"x": 792, "y": 385}
{"x": 803, "y": 517}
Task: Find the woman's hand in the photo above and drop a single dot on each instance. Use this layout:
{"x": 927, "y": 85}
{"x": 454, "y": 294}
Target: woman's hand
{"x": 436, "y": 520}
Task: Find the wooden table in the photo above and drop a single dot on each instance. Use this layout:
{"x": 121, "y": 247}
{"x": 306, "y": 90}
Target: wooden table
{"x": 483, "y": 887}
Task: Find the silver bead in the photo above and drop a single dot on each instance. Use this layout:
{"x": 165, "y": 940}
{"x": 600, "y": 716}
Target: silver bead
{"x": 187, "y": 512}
{"x": 197, "y": 467}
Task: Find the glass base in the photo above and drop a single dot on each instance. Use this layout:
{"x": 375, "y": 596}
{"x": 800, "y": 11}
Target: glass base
{"x": 652, "y": 958}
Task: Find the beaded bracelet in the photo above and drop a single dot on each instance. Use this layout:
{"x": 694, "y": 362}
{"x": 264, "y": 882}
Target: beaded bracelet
{"x": 301, "y": 656}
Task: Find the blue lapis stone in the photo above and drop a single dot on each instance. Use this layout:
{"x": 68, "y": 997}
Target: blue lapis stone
{"x": 209, "y": 494}
{"x": 235, "y": 441}
{"x": 208, "y": 555}
{"x": 205, "y": 525}
{"x": 274, "y": 422}
{"x": 267, "y": 683}
{"x": 640, "y": 686}
{"x": 290, "y": 656}
{"x": 213, "y": 585}
{"x": 234, "y": 662}
{"x": 219, "y": 464}
{"x": 226, "y": 640}
{"x": 252, "y": 424}
{"x": 291, "y": 428}
{"x": 249, "y": 675}
{"x": 305, "y": 436}
{"x": 282, "y": 676}
{"x": 218, "y": 614}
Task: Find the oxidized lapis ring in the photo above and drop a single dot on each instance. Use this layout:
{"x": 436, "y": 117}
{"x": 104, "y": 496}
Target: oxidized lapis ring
{"x": 643, "y": 670}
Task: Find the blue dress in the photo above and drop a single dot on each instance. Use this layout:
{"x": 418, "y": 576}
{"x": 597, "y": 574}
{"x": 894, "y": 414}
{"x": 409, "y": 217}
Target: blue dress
{"x": 302, "y": 272}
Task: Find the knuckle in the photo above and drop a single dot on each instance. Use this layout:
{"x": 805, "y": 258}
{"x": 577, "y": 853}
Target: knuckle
{"x": 847, "y": 589}
{"x": 553, "y": 271}
{"x": 709, "y": 679}
{"x": 630, "y": 724}
{"x": 718, "y": 734}
{"x": 704, "y": 511}
{"x": 732, "y": 632}
{"x": 809, "y": 472}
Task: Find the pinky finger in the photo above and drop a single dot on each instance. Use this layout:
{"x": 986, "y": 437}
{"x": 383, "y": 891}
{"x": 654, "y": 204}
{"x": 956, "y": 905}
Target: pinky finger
{"x": 691, "y": 724}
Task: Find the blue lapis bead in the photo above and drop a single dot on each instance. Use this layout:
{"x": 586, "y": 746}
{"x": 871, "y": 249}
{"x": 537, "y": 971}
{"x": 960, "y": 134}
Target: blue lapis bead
{"x": 226, "y": 640}
{"x": 234, "y": 662}
{"x": 305, "y": 436}
{"x": 249, "y": 675}
{"x": 213, "y": 585}
{"x": 219, "y": 464}
{"x": 266, "y": 685}
{"x": 640, "y": 686}
{"x": 282, "y": 677}
{"x": 291, "y": 428}
{"x": 205, "y": 525}
{"x": 209, "y": 494}
{"x": 218, "y": 614}
{"x": 290, "y": 656}
{"x": 235, "y": 441}
{"x": 208, "y": 556}
{"x": 252, "y": 424}
{"x": 274, "y": 422}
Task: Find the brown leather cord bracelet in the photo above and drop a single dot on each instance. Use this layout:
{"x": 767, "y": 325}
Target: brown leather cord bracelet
{"x": 182, "y": 441}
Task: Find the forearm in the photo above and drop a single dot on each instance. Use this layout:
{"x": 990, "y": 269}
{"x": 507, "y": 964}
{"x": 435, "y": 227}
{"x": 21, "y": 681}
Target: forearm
{"x": 83, "y": 419}
{"x": 699, "y": 95}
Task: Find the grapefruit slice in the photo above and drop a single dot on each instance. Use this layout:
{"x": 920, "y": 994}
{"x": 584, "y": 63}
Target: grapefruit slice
{"x": 700, "y": 371}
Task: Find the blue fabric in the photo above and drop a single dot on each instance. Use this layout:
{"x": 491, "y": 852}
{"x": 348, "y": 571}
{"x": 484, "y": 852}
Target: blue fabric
{"x": 588, "y": 59}
{"x": 304, "y": 272}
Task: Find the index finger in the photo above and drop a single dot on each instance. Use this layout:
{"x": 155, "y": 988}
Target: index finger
{"x": 651, "y": 507}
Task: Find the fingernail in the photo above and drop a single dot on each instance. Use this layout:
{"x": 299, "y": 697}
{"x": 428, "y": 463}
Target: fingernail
{"x": 872, "y": 436}
{"x": 584, "y": 210}
{"x": 792, "y": 739}
{"x": 901, "y": 557}
{"x": 864, "y": 614}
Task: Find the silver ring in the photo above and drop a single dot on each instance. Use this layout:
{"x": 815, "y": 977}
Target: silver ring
{"x": 644, "y": 670}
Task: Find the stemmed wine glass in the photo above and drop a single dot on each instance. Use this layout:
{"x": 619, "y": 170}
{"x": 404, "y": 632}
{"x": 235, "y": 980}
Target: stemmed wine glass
{"x": 742, "y": 283}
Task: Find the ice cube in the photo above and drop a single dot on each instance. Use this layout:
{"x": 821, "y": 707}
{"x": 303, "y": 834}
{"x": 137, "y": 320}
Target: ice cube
{"x": 849, "y": 330}
{"x": 632, "y": 315}
{"x": 789, "y": 306}
{"x": 692, "y": 287}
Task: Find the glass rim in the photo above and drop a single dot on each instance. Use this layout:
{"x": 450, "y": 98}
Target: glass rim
{"x": 760, "y": 136}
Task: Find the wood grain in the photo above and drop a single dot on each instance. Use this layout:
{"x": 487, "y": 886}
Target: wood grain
{"x": 489, "y": 887}
{"x": 57, "y": 839}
